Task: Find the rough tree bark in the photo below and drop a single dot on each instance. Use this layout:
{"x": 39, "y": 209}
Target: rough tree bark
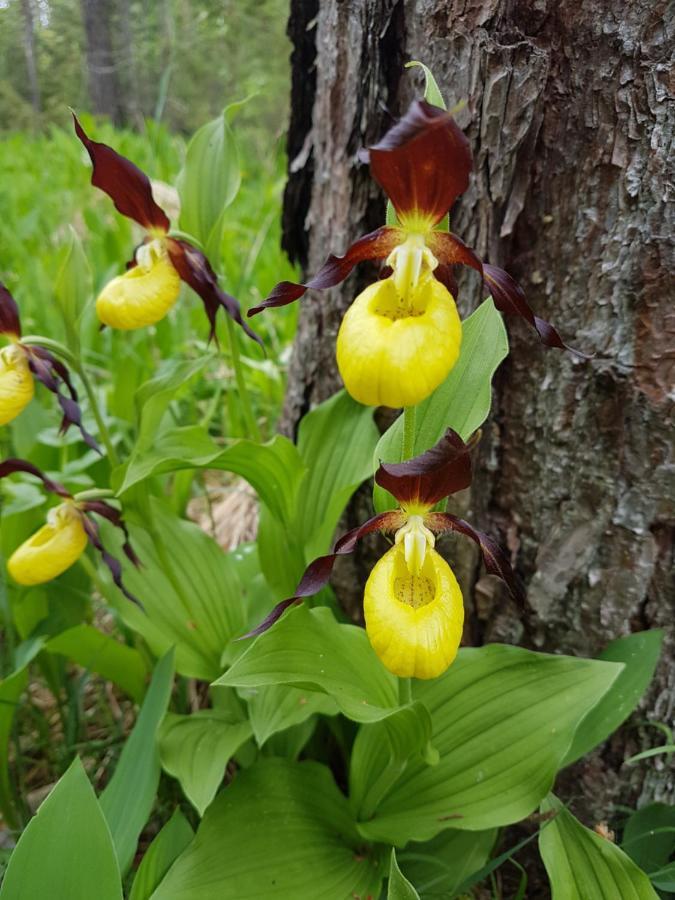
{"x": 569, "y": 117}
{"x": 104, "y": 87}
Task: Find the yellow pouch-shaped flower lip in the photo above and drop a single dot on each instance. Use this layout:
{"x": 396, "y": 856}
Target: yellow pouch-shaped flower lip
{"x": 141, "y": 296}
{"x": 414, "y": 622}
{"x": 388, "y": 357}
{"x": 17, "y": 386}
{"x": 52, "y": 549}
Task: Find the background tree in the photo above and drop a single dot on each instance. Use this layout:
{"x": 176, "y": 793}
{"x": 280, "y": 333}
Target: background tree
{"x": 569, "y": 118}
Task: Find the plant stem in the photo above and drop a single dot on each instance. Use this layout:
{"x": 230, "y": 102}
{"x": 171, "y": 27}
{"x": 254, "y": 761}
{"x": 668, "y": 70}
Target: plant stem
{"x": 244, "y": 396}
{"x": 95, "y": 494}
{"x": 409, "y": 417}
{"x": 404, "y": 691}
{"x": 104, "y": 434}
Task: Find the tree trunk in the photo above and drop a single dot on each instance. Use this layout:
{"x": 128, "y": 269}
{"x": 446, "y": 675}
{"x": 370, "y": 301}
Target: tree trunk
{"x": 569, "y": 121}
{"x": 104, "y": 88}
{"x": 31, "y": 54}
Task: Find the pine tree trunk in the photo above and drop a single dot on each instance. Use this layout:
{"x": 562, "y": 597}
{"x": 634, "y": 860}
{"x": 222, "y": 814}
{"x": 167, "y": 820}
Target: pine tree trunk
{"x": 569, "y": 118}
{"x": 104, "y": 87}
{"x": 31, "y": 54}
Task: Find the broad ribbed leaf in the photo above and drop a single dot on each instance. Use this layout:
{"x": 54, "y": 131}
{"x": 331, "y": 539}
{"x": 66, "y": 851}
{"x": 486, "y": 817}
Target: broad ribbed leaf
{"x": 74, "y": 284}
{"x": 98, "y": 652}
{"x": 381, "y": 753}
{"x": 336, "y": 442}
{"x": 66, "y": 852}
{"x": 130, "y": 794}
{"x": 280, "y": 830}
{"x": 273, "y": 469}
{"x": 462, "y": 402}
{"x": 639, "y": 653}
{"x": 204, "y": 617}
{"x": 399, "y": 888}
{"x": 162, "y": 852}
{"x": 209, "y": 181}
{"x": 441, "y": 865}
{"x": 279, "y": 706}
{"x": 503, "y": 719}
{"x": 649, "y": 837}
{"x": 196, "y": 749}
{"x": 582, "y": 865}
{"x": 307, "y": 648}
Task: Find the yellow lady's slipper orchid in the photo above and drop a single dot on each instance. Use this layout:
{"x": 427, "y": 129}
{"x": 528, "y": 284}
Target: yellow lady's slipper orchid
{"x": 21, "y": 363}
{"x": 394, "y": 348}
{"x": 149, "y": 288}
{"x": 401, "y": 336}
{"x": 61, "y": 542}
{"x": 17, "y": 387}
{"x": 412, "y": 602}
{"x": 142, "y": 295}
{"x": 413, "y": 621}
{"x": 52, "y": 549}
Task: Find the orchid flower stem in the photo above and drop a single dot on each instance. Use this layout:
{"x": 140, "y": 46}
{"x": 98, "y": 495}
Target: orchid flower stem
{"x": 404, "y": 691}
{"x": 104, "y": 434}
{"x": 94, "y": 494}
{"x": 409, "y": 417}
{"x": 244, "y": 396}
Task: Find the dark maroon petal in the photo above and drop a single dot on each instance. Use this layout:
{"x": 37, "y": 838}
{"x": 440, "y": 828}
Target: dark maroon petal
{"x": 318, "y": 572}
{"x": 494, "y": 557}
{"x": 113, "y": 564}
{"x": 422, "y": 163}
{"x": 12, "y": 465}
{"x": 195, "y": 270}
{"x": 428, "y": 478}
{"x": 449, "y": 250}
{"x": 101, "y": 508}
{"x": 53, "y": 374}
{"x": 10, "y": 322}
{"x": 376, "y": 245}
{"x": 127, "y": 186}
{"x": 509, "y": 298}
{"x": 446, "y": 275}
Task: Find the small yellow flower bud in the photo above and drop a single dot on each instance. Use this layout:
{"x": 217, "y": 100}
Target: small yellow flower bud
{"x": 142, "y": 295}
{"x": 16, "y": 383}
{"x": 52, "y": 549}
{"x": 413, "y": 621}
{"x": 394, "y": 351}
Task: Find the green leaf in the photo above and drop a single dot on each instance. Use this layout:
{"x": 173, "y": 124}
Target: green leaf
{"x": 153, "y": 397}
{"x": 11, "y": 689}
{"x": 336, "y": 442}
{"x": 208, "y": 613}
{"x": 162, "y": 852}
{"x": 307, "y": 648}
{"x": 74, "y": 284}
{"x": 281, "y": 829}
{"x": 66, "y": 852}
{"x": 380, "y": 755}
{"x": 639, "y": 653}
{"x": 273, "y": 469}
{"x": 91, "y": 649}
{"x": 399, "y": 888}
{"x": 277, "y": 707}
{"x": 432, "y": 92}
{"x": 462, "y": 402}
{"x": 130, "y": 794}
{"x": 649, "y": 836}
{"x": 581, "y": 865}
{"x": 445, "y": 862}
{"x": 503, "y": 719}
{"x": 209, "y": 182}
{"x": 196, "y": 749}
